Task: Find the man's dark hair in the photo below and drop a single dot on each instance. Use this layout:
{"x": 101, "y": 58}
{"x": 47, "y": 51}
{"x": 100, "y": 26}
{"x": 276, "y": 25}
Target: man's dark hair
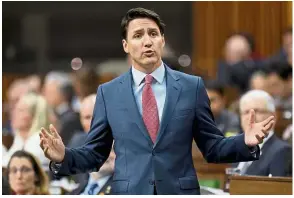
{"x": 216, "y": 86}
{"x": 136, "y": 13}
{"x": 282, "y": 69}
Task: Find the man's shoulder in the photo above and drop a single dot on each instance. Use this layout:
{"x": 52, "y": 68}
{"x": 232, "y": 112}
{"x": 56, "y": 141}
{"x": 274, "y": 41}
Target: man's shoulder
{"x": 184, "y": 77}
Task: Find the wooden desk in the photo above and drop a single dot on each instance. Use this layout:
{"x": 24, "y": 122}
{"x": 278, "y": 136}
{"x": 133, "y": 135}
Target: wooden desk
{"x": 257, "y": 185}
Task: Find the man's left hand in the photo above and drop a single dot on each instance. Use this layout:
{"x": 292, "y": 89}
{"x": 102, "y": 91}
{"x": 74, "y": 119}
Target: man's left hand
{"x": 257, "y": 131}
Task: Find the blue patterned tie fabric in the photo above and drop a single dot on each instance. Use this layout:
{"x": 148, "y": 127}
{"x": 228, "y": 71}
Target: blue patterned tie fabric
{"x": 92, "y": 188}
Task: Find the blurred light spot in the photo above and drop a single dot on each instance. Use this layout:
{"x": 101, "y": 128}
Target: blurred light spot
{"x": 76, "y": 63}
{"x": 184, "y": 60}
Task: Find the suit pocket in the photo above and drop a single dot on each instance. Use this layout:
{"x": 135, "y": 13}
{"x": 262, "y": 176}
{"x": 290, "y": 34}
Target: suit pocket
{"x": 182, "y": 113}
{"x": 120, "y": 186}
{"x": 190, "y": 182}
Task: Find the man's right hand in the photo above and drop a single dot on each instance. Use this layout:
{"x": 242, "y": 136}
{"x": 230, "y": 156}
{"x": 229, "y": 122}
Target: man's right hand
{"x": 52, "y": 145}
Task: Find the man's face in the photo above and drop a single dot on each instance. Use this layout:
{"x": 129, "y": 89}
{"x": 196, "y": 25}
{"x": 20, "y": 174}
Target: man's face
{"x": 52, "y": 93}
{"x": 86, "y": 114}
{"x": 144, "y": 43}
{"x": 259, "y": 106}
{"x": 275, "y": 85}
{"x": 216, "y": 102}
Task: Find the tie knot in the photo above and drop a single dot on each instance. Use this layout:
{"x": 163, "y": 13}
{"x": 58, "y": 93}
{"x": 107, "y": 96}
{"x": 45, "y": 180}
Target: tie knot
{"x": 148, "y": 79}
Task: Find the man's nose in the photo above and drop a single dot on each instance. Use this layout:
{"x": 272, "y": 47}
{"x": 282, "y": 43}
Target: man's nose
{"x": 147, "y": 41}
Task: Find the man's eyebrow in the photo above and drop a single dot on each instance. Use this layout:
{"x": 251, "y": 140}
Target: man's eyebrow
{"x": 152, "y": 29}
{"x": 138, "y": 30}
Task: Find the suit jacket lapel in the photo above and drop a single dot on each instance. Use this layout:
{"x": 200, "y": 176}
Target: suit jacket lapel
{"x": 126, "y": 92}
{"x": 173, "y": 90}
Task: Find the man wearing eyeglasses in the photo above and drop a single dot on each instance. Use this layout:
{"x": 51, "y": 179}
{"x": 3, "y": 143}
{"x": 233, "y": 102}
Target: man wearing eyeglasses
{"x": 275, "y": 156}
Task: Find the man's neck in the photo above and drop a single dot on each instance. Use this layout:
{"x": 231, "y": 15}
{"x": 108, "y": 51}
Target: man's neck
{"x": 147, "y": 69}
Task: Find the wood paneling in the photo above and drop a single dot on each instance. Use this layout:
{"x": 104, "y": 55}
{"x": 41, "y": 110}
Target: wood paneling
{"x": 213, "y": 22}
{"x": 256, "y": 185}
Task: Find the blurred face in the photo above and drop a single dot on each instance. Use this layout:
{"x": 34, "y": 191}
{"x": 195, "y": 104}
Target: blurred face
{"x": 21, "y": 176}
{"x": 15, "y": 94}
{"x": 236, "y": 50}
{"x": 52, "y": 93}
{"x": 261, "y": 112}
{"x": 217, "y": 103}
{"x": 86, "y": 114}
{"x": 258, "y": 82}
{"x": 22, "y": 117}
{"x": 144, "y": 43}
{"x": 275, "y": 85}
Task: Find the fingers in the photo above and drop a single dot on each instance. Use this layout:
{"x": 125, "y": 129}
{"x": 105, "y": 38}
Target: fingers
{"x": 268, "y": 120}
{"x": 45, "y": 133}
{"x": 260, "y": 139}
{"x": 252, "y": 117}
{"x": 53, "y": 131}
{"x": 269, "y": 125}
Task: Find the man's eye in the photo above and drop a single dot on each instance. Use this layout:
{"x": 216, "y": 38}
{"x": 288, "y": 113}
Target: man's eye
{"x": 137, "y": 36}
{"x": 154, "y": 34}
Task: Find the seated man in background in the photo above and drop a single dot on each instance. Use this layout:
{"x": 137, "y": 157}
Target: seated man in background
{"x": 58, "y": 92}
{"x": 279, "y": 81}
{"x": 86, "y": 114}
{"x": 98, "y": 182}
{"x": 276, "y": 155}
{"x": 226, "y": 121}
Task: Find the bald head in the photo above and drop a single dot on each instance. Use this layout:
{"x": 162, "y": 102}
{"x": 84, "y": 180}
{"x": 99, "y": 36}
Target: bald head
{"x": 237, "y": 49}
{"x": 86, "y": 112}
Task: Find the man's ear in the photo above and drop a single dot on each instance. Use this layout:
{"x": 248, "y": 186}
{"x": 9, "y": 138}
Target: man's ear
{"x": 163, "y": 40}
{"x": 125, "y": 45}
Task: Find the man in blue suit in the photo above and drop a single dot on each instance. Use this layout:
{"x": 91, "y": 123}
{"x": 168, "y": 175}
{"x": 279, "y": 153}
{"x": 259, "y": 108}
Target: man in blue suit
{"x": 153, "y": 114}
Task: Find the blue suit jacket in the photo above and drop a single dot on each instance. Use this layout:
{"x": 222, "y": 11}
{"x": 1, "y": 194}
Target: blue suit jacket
{"x": 167, "y": 163}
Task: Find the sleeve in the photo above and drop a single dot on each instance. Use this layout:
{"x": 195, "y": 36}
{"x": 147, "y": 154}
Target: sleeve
{"x": 92, "y": 155}
{"x": 210, "y": 140}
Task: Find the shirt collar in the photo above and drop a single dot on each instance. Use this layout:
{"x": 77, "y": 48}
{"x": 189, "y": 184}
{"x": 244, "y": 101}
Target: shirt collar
{"x": 158, "y": 74}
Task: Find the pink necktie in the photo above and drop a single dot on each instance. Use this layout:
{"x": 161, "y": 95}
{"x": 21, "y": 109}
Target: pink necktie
{"x": 150, "y": 112}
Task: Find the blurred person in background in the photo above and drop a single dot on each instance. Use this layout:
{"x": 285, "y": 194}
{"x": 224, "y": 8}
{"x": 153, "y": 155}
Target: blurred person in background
{"x": 29, "y": 115}
{"x": 35, "y": 83}
{"x": 239, "y": 62}
{"x": 86, "y": 114}
{"x": 17, "y": 89}
{"x": 226, "y": 121}
{"x": 258, "y": 81}
{"x": 85, "y": 82}
{"x": 59, "y": 93}
{"x": 26, "y": 176}
{"x": 279, "y": 82}
{"x": 99, "y": 183}
{"x": 151, "y": 142}
{"x": 276, "y": 155}
{"x": 285, "y": 53}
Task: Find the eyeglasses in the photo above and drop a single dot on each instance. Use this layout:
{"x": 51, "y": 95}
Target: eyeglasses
{"x": 24, "y": 170}
{"x": 257, "y": 111}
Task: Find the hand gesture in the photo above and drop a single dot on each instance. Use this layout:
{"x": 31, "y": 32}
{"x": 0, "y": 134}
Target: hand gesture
{"x": 257, "y": 131}
{"x": 52, "y": 145}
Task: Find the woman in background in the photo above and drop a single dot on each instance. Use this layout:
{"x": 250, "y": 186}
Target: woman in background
{"x": 30, "y": 114}
{"x": 26, "y": 176}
